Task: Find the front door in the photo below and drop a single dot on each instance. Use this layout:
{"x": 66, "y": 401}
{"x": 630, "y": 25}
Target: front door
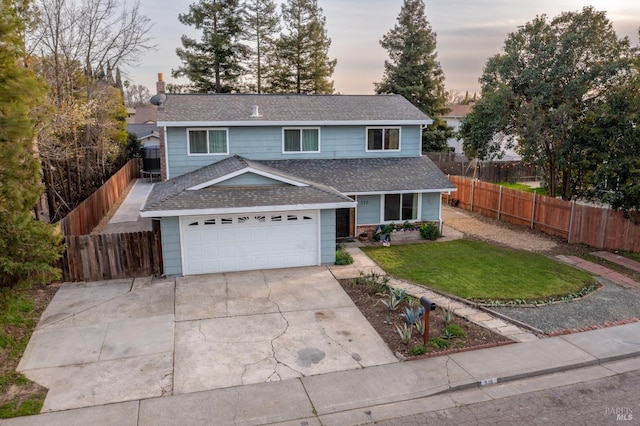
{"x": 343, "y": 219}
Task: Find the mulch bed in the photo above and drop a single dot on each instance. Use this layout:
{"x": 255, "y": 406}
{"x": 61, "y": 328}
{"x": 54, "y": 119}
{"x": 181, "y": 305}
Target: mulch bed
{"x": 369, "y": 303}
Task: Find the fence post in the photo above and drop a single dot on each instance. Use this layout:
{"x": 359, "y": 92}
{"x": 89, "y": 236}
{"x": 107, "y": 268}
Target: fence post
{"x": 533, "y": 208}
{"x": 473, "y": 185}
{"x": 499, "y": 201}
{"x": 603, "y": 227}
{"x": 573, "y": 208}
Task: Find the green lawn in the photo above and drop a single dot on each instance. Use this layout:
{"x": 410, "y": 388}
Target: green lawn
{"x": 477, "y": 270}
{"x": 523, "y": 187}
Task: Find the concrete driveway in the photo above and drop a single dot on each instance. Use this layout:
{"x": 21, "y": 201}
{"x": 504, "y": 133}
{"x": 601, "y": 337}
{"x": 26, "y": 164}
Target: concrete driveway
{"x": 121, "y": 340}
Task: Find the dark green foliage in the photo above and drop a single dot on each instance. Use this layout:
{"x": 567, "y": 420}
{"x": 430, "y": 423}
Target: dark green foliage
{"x": 302, "y": 63}
{"x": 418, "y": 350}
{"x": 28, "y": 248}
{"x": 453, "y": 330}
{"x": 343, "y": 257}
{"x": 262, "y": 26}
{"x": 439, "y": 343}
{"x": 429, "y": 231}
{"x": 610, "y": 137}
{"x": 544, "y": 89}
{"x": 435, "y": 136}
{"x": 132, "y": 149}
{"x": 412, "y": 69}
{"x": 213, "y": 64}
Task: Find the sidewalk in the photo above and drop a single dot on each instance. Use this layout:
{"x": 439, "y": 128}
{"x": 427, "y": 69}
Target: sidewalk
{"x": 386, "y": 391}
{"x": 382, "y": 392}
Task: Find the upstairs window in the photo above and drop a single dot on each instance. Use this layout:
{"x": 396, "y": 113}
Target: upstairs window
{"x": 208, "y": 141}
{"x": 301, "y": 140}
{"x": 383, "y": 139}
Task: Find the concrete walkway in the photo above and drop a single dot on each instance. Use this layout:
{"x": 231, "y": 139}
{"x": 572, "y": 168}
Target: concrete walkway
{"x": 127, "y": 216}
{"x": 620, "y": 260}
{"x": 600, "y": 270}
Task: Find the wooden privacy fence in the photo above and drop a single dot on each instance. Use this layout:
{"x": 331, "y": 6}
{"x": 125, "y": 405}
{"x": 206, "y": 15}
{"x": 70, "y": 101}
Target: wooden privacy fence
{"x": 112, "y": 256}
{"x": 88, "y": 214}
{"x": 108, "y": 256}
{"x": 578, "y": 224}
{"x": 488, "y": 171}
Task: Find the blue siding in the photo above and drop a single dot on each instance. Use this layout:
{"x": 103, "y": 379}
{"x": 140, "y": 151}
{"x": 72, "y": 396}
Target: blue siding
{"x": 328, "y": 237}
{"x": 249, "y": 179}
{"x": 171, "y": 252}
{"x": 431, "y": 207}
{"x": 368, "y": 210}
{"x": 265, "y": 143}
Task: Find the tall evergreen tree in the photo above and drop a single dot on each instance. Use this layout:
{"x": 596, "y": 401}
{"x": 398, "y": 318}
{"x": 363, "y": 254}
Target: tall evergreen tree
{"x": 213, "y": 64}
{"x": 413, "y": 70}
{"x": 27, "y": 247}
{"x": 262, "y": 25}
{"x": 303, "y": 64}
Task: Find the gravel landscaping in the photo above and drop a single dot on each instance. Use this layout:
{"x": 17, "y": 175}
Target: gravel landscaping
{"x": 611, "y": 304}
{"x": 608, "y": 305}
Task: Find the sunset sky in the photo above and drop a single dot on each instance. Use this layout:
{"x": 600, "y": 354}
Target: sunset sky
{"x": 468, "y": 33}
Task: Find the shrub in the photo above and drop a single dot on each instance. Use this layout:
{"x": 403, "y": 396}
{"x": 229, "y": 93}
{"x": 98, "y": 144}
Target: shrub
{"x": 418, "y": 350}
{"x": 343, "y": 257}
{"x": 429, "y": 231}
{"x": 439, "y": 343}
{"x": 453, "y": 330}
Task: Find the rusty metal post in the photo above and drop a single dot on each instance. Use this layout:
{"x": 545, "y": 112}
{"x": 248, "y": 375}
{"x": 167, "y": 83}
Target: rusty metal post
{"x": 426, "y": 328}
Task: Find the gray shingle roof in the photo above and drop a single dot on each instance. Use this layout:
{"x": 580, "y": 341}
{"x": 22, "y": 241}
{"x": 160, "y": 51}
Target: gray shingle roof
{"x": 360, "y": 175}
{"x": 290, "y": 108}
{"x": 174, "y": 194}
{"x": 327, "y": 180}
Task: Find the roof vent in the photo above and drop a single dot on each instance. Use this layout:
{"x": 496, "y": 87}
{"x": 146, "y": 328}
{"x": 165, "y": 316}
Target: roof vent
{"x": 254, "y": 111}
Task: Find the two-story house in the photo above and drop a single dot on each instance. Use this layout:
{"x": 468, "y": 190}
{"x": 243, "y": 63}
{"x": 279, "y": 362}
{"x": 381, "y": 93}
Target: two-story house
{"x": 270, "y": 181}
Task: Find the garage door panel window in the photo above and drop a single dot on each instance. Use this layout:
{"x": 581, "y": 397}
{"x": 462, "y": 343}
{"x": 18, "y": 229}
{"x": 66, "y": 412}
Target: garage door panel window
{"x": 208, "y": 141}
{"x": 400, "y": 207}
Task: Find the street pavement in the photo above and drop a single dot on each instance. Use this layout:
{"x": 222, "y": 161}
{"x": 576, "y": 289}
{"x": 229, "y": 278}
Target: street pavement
{"x": 611, "y": 400}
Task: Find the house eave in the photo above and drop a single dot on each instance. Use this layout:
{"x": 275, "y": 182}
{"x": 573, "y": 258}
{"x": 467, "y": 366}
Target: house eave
{"x": 243, "y": 171}
{"x": 285, "y": 123}
{"x": 404, "y": 191}
{"x": 252, "y": 209}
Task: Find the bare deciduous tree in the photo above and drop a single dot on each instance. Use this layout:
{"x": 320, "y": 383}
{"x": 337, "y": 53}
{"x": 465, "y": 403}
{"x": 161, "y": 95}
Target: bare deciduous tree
{"x": 76, "y": 45}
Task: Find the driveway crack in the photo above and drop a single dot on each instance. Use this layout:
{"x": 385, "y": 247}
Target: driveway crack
{"x": 286, "y": 328}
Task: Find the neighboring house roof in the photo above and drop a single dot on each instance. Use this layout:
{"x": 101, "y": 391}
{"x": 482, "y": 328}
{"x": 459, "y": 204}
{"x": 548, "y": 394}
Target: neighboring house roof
{"x": 293, "y": 109}
{"x": 370, "y": 175}
{"x": 457, "y": 111}
{"x": 196, "y": 192}
{"x": 146, "y": 114}
{"x": 143, "y": 130}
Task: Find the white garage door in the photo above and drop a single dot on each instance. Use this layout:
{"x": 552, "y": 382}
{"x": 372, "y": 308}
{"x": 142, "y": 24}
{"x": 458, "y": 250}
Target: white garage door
{"x": 241, "y": 242}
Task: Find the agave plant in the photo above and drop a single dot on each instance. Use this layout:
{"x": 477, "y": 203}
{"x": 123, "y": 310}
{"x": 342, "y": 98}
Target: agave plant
{"x": 411, "y": 316}
{"x": 405, "y": 333}
{"x": 392, "y": 302}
